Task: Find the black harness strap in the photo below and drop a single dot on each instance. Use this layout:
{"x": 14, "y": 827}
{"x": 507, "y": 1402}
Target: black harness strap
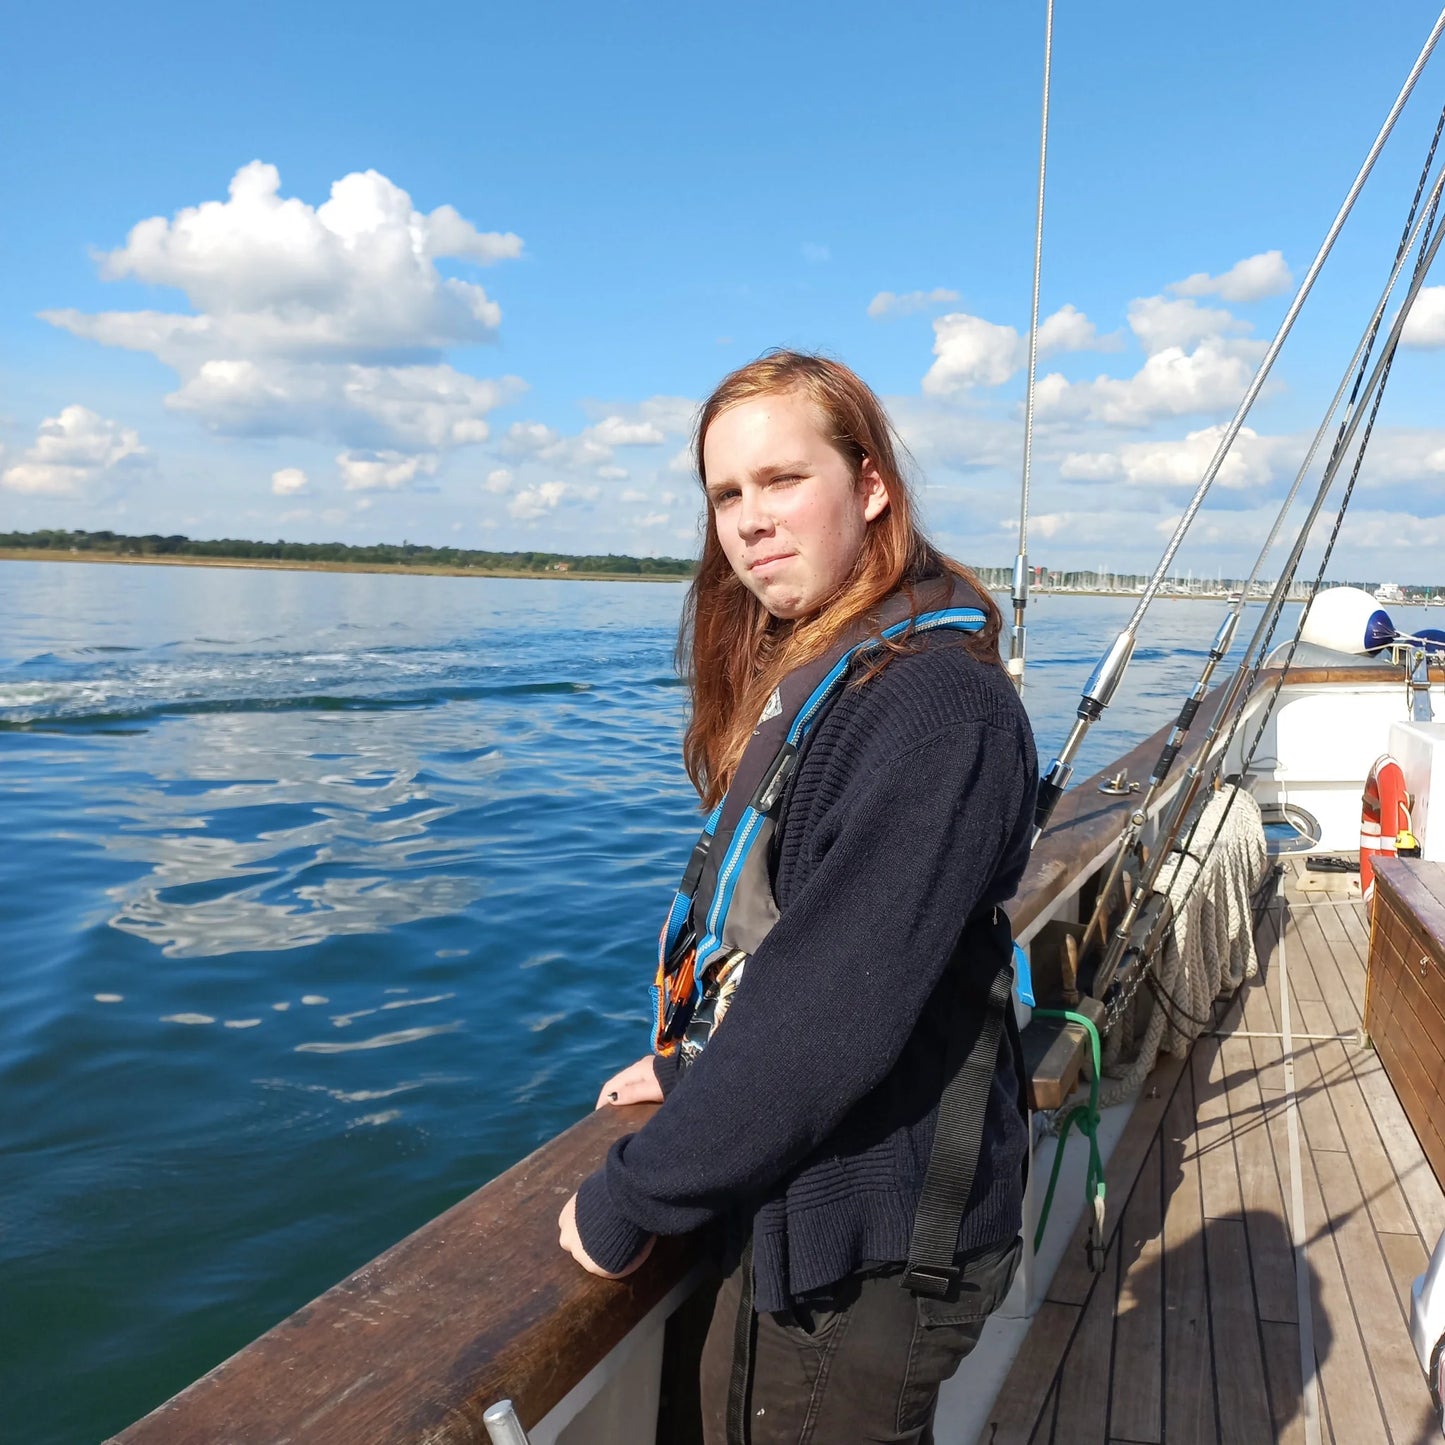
{"x": 956, "y": 1144}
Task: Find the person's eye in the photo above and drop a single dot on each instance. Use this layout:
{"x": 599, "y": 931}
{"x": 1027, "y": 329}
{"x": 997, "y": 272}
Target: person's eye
{"x": 787, "y": 479}
{"x": 723, "y": 496}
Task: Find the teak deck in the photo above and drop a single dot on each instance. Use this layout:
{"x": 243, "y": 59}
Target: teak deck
{"x": 1237, "y": 1164}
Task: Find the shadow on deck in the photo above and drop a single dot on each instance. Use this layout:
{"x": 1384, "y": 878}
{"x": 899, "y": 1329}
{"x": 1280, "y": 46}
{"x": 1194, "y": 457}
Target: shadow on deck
{"x": 1269, "y": 1212}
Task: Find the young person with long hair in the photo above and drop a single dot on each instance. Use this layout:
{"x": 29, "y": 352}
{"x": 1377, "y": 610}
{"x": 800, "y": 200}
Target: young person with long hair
{"x": 806, "y": 1125}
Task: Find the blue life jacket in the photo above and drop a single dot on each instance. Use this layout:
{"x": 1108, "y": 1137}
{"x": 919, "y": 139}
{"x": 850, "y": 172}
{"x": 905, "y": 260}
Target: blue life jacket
{"x": 724, "y": 907}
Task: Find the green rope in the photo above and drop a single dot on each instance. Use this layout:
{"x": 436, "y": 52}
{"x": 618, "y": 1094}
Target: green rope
{"x": 1086, "y": 1117}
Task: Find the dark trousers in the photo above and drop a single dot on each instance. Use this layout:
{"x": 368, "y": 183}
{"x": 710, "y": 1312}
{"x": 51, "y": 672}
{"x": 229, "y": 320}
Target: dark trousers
{"x": 857, "y": 1364}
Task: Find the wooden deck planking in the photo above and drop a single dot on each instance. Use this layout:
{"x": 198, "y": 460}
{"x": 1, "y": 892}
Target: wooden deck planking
{"x": 1383, "y": 1196}
{"x": 1086, "y": 1374}
{"x": 1396, "y": 1371}
{"x": 1219, "y": 1179}
{"x": 1406, "y": 1258}
{"x": 1347, "y": 1390}
{"x": 1270, "y": 1249}
{"x": 1344, "y": 1004}
{"x": 1029, "y": 1393}
{"x": 1282, "y": 1365}
{"x": 1188, "y": 1389}
{"x": 1259, "y": 1017}
{"x": 1417, "y": 1179}
{"x": 1244, "y": 1416}
{"x": 1217, "y": 1281}
{"x": 1136, "y": 1403}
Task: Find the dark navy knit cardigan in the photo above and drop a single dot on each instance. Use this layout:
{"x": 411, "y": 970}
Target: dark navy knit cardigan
{"x": 810, "y": 1115}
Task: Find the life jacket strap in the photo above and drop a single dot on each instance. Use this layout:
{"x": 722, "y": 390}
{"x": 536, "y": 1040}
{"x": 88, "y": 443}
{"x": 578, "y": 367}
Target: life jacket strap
{"x": 958, "y": 1138}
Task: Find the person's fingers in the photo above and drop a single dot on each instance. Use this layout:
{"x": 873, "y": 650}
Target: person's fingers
{"x": 636, "y": 1084}
{"x": 610, "y": 1091}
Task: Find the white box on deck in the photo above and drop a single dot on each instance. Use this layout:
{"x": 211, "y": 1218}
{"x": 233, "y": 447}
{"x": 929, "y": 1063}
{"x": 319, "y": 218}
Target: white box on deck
{"x": 1419, "y": 748}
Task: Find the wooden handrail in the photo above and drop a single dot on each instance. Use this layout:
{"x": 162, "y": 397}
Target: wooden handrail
{"x": 481, "y": 1303}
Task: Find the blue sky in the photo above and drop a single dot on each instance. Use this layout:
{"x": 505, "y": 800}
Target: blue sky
{"x": 556, "y": 226}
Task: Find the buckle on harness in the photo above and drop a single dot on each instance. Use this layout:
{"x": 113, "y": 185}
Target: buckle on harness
{"x": 925, "y": 1279}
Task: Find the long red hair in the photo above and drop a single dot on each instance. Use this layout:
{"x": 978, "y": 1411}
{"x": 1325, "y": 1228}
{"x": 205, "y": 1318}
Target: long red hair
{"x": 731, "y": 650}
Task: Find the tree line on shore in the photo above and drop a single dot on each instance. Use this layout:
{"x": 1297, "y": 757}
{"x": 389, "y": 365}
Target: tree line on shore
{"x": 387, "y": 554}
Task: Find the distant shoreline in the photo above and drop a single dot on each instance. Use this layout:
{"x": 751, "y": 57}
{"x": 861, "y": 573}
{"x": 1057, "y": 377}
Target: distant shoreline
{"x": 427, "y": 569}
{"x": 273, "y": 564}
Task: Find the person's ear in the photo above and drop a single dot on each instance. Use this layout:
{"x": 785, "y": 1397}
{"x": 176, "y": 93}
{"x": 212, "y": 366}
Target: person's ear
{"x": 874, "y": 490}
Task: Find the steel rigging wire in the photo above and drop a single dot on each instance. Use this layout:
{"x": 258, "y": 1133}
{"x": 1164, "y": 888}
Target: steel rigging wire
{"x": 1019, "y": 642}
{"x": 1374, "y": 388}
{"x": 1357, "y": 366}
{"x": 1104, "y": 681}
{"x": 1387, "y": 360}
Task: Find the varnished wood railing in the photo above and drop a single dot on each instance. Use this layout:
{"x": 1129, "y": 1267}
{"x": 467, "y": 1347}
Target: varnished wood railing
{"x": 481, "y": 1304}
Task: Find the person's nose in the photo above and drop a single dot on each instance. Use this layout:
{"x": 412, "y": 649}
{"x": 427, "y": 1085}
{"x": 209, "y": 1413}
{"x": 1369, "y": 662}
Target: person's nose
{"x": 754, "y": 520}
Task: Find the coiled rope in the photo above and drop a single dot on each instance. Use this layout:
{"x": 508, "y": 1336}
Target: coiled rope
{"x": 1209, "y": 949}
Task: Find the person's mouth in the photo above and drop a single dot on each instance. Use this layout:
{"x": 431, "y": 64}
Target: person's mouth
{"x": 758, "y": 564}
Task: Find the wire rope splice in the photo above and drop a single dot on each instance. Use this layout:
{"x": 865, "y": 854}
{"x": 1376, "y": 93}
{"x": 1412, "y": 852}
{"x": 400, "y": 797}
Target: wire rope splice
{"x": 1018, "y": 643}
{"x": 1105, "y": 679}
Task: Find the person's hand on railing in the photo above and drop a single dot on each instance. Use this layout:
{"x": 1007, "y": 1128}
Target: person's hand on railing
{"x": 571, "y": 1241}
{"x": 636, "y": 1084}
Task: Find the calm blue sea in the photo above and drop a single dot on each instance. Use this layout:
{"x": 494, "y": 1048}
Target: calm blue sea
{"x": 323, "y": 899}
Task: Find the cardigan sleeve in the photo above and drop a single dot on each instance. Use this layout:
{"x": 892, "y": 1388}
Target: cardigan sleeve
{"x": 832, "y": 994}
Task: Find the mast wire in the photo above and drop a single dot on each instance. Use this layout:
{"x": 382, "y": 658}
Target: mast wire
{"x": 1104, "y": 681}
{"x": 1429, "y": 247}
{"x": 1019, "y": 643}
{"x": 1358, "y": 365}
{"x": 1285, "y": 326}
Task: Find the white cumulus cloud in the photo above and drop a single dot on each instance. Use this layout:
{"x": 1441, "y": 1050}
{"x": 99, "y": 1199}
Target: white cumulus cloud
{"x": 971, "y": 352}
{"x": 1425, "y": 325}
{"x": 671, "y": 414}
{"x": 326, "y": 321}
{"x": 1251, "y": 279}
{"x": 1181, "y": 463}
{"x": 1068, "y": 329}
{"x": 288, "y": 482}
{"x": 499, "y": 481}
{"x": 384, "y": 471}
{"x": 542, "y": 455}
{"x": 1172, "y": 382}
{"x": 268, "y": 275}
{"x": 1160, "y": 323}
{"x": 536, "y": 501}
{"x": 906, "y": 303}
{"x": 73, "y": 453}
{"x": 615, "y": 431}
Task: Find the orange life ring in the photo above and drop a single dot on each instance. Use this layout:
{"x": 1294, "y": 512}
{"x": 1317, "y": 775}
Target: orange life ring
{"x": 1384, "y": 815}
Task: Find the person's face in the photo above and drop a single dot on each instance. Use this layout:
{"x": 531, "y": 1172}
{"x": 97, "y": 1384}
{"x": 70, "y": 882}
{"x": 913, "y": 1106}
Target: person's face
{"x": 789, "y": 516}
